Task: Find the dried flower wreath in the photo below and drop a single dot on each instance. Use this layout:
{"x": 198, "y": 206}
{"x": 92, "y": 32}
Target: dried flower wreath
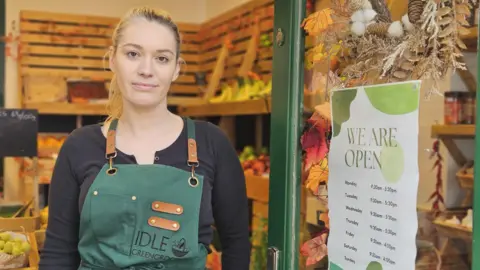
{"x": 425, "y": 44}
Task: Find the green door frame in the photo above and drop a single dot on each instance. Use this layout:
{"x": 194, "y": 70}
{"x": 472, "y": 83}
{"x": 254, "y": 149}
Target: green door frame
{"x": 286, "y": 126}
{"x": 476, "y": 181}
{"x": 3, "y": 21}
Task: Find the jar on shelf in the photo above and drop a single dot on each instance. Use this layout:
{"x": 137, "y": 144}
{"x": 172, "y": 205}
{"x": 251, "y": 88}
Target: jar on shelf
{"x": 469, "y": 108}
{"x": 453, "y": 108}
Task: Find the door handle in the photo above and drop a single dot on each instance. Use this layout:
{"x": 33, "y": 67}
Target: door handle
{"x": 273, "y": 257}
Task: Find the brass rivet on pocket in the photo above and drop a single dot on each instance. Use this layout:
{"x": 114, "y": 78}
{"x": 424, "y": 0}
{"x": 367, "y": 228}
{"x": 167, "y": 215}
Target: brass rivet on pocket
{"x": 134, "y": 198}
{"x": 95, "y": 193}
{"x": 175, "y": 225}
{"x": 156, "y": 205}
{"x": 152, "y": 221}
{"x": 179, "y": 210}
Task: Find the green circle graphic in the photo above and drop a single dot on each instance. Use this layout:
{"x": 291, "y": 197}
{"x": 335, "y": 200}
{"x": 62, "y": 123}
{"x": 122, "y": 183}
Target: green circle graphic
{"x": 333, "y": 266}
{"x": 394, "y": 99}
{"x": 374, "y": 266}
{"x": 392, "y": 160}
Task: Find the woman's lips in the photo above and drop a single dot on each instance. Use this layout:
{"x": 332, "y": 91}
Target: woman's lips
{"x": 144, "y": 86}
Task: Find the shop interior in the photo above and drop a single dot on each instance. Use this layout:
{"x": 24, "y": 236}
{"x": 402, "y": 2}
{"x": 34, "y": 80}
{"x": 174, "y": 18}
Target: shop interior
{"x": 54, "y": 62}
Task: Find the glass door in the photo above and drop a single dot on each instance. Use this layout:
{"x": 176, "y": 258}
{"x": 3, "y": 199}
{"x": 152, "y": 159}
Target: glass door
{"x": 288, "y": 123}
{"x": 286, "y": 126}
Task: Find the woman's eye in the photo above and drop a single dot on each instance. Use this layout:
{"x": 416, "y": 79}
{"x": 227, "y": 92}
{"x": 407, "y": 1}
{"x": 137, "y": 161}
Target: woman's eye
{"x": 162, "y": 59}
{"x": 132, "y": 54}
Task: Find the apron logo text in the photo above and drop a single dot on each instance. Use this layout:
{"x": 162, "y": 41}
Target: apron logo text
{"x": 149, "y": 255}
{"x": 145, "y": 239}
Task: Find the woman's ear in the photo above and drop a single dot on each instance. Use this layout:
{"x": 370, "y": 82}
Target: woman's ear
{"x": 111, "y": 63}
{"x": 178, "y": 68}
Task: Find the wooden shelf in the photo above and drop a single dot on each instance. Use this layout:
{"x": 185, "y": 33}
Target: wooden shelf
{"x": 227, "y": 108}
{"x": 64, "y": 108}
{"x": 447, "y": 133}
{"x": 455, "y": 131}
{"x": 248, "y": 107}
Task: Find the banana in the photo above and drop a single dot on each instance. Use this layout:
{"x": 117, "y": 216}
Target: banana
{"x": 257, "y": 87}
{"x": 242, "y": 94}
{"x": 266, "y": 91}
{"x": 224, "y": 96}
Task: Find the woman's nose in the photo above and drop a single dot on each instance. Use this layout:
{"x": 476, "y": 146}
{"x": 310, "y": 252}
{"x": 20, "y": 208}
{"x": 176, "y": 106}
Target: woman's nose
{"x": 145, "y": 68}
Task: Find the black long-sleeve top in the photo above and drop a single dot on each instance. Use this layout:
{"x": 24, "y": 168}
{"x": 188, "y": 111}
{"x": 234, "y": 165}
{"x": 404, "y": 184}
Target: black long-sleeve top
{"x": 224, "y": 201}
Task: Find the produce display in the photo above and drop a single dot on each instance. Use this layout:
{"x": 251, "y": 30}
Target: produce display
{"x": 243, "y": 89}
{"x": 49, "y": 145}
{"x": 14, "y": 250}
{"x": 44, "y": 218}
{"x": 12, "y": 245}
{"x": 255, "y": 163}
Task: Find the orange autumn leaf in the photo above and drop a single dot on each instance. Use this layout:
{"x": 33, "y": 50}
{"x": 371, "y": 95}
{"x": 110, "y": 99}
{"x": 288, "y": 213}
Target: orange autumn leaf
{"x": 314, "y": 140}
{"x": 214, "y": 260}
{"x": 318, "y": 22}
{"x": 318, "y": 174}
{"x": 315, "y": 249}
{"x": 324, "y": 217}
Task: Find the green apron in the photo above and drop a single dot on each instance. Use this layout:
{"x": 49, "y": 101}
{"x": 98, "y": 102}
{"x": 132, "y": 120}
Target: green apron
{"x": 143, "y": 217}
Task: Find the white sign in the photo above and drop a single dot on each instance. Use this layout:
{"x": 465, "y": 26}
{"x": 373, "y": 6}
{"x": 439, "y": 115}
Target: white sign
{"x": 373, "y": 177}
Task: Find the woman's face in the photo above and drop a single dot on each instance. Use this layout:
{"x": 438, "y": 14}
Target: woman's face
{"x": 145, "y": 62}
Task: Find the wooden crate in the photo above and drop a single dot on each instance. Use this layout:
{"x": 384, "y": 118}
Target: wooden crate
{"x": 65, "y": 46}
{"x": 238, "y": 23}
{"x": 74, "y": 47}
{"x": 20, "y": 224}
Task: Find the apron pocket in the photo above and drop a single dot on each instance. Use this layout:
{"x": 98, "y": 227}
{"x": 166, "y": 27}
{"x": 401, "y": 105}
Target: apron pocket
{"x": 113, "y": 221}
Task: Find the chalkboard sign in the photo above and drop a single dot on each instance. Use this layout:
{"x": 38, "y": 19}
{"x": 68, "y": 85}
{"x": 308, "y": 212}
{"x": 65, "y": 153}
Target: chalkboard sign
{"x": 18, "y": 133}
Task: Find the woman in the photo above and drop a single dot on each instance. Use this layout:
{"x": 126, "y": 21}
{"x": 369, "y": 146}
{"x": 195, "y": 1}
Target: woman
{"x": 143, "y": 190}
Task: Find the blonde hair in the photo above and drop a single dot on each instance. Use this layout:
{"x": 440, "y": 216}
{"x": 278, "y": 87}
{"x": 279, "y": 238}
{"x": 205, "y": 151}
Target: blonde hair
{"x": 115, "y": 101}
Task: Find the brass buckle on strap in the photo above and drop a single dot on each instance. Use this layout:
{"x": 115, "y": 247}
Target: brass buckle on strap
{"x": 111, "y": 170}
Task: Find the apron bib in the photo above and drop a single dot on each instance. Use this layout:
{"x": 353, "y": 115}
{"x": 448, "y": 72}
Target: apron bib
{"x": 143, "y": 217}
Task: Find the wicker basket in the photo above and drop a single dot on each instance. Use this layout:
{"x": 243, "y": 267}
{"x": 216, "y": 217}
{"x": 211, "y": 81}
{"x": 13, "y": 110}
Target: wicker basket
{"x": 453, "y": 231}
{"x": 428, "y": 257}
{"x": 13, "y": 262}
{"x": 465, "y": 179}
{"x": 465, "y": 176}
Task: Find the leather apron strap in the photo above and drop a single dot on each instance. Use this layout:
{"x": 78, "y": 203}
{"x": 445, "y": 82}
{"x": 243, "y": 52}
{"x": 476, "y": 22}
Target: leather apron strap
{"x": 192, "y": 160}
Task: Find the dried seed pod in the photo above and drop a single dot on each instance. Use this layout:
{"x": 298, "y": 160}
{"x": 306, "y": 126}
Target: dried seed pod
{"x": 379, "y": 29}
{"x": 406, "y": 65}
{"x": 462, "y": 31}
{"x": 445, "y": 20}
{"x": 461, "y": 20}
{"x": 400, "y": 74}
{"x": 447, "y": 41}
{"x": 462, "y": 9}
{"x": 461, "y": 44}
{"x": 415, "y": 10}
{"x": 446, "y": 32}
{"x": 443, "y": 11}
{"x": 446, "y": 49}
{"x": 411, "y": 56}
